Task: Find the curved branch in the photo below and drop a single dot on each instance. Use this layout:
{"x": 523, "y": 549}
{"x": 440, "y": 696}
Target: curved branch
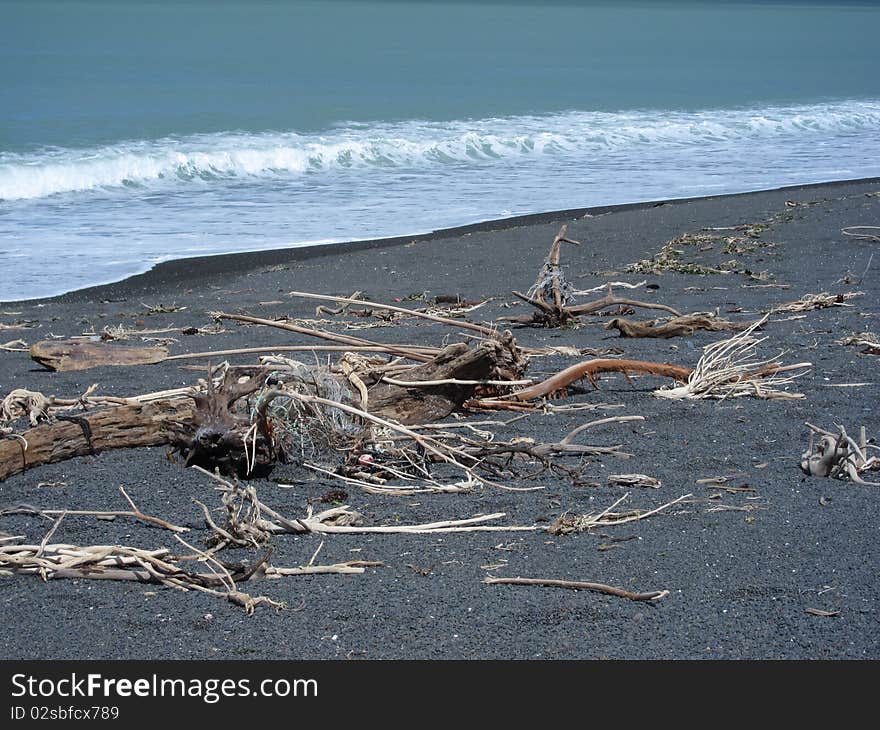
{"x": 590, "y": 369}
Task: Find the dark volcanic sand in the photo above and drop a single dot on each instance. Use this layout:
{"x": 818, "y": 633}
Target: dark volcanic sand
{"x": 740, "y": 581}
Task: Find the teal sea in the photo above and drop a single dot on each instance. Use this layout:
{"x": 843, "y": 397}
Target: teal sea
{"x": 139, "y": 131}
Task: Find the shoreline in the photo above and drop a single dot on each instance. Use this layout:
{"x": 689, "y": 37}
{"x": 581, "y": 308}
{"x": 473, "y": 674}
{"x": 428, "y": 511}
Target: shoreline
{"x": 193, "y": 268}
{"x": 757, "y": 549}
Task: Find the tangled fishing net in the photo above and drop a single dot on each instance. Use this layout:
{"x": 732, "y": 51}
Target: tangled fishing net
{"x": 299, "y": 430}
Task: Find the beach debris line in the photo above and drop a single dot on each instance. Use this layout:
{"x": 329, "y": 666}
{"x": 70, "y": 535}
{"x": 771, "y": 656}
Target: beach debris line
{"x": 552, "y": 297}
{"x": 251, "y": 524}
{"x": 712, "y": 244}
{"x": 246, "y": 419}
{"x": 839, "y": 456}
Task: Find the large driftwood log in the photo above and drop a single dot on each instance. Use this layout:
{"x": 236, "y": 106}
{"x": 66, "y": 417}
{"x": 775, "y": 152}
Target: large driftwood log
{"x": 150, "y": 424}
{"x": 211, "y": 430}
{"x": 82, "y": 354}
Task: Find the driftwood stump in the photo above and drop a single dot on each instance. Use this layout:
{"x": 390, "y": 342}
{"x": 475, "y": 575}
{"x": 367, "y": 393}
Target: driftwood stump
{"x": 226, "y": 428}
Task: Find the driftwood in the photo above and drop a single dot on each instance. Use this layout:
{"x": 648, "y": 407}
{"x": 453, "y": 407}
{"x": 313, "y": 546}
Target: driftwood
{"x": 822, "y": 300}
{"x": 313, "y": 406}
{"x": 728, "y": 369}
{"x": 589, "y": 369}
{"x": 150, "y": 424}
{"x": 211, "y": 428}
{"x": 869, "y": 341}
{"x": 580, "y": 586}
{"x": 399, "y": 310}
{"x": 81, "y": 354}
{"x": 250, "y": 521}
{"x": 490, "y": 360}
{"x": 634, "y": 480}
{"x": 134, "y": 512}
{"x": 413, "y": 353}
{"x": 159, "y": 566}
{"x": 214, "y": 437}
{"x": 551, "y": 294}
{"x": 682, "y": 326}
{"x": 839, "y": 455}
{"x": 568, "y": 523}
{"x": 549, "y": 317}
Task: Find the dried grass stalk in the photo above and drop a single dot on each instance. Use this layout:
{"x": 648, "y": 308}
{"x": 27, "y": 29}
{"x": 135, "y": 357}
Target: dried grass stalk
{"x": 728, "y": 369}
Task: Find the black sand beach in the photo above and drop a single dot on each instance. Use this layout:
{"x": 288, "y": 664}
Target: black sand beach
{"x": 741, "y": 578}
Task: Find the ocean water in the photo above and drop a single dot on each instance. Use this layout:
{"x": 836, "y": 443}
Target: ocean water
{"x": 136, "y": 132}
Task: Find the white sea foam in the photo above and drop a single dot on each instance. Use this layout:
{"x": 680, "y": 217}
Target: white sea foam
{"x": 413, "y": 146}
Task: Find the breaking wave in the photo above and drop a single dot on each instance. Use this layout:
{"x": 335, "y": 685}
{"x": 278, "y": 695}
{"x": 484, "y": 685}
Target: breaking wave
{"x": 413, "y": 146}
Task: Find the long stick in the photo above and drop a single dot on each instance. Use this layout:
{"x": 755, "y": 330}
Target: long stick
{"x": 296, "y": 348}
{"x": 580, "y": 585}
{"x": 324, "y": 335}
{"x": 451, "y": 381}
{"x": 468, "y": 525}
{"x": 423, "y": 315}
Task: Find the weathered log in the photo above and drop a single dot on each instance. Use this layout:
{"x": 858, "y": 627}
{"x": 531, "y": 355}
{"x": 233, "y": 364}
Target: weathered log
{"x": 496, "y": 359}
{"x": 150, "y": 424}
{"x": 82, "y": 355}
